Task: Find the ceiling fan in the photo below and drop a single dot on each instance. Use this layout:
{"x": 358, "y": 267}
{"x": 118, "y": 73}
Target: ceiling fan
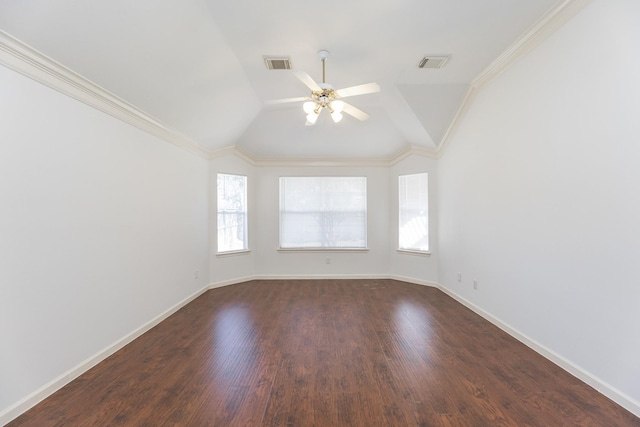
{"x": 323, "y": 95}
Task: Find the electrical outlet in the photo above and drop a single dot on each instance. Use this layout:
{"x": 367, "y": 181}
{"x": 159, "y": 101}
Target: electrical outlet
{"x": 475, "y": 285}
{"x": 328, "y": 260}
{"x": 197, "y": 274}
{"x": 459, "y": 277}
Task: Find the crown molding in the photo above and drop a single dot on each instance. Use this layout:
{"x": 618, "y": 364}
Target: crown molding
{"x": 555, "y": 18}
{"x": 412, "y": 150}
{"x": 252, "y": 159}
{"x": 455, "y": 124}
{"x": 27, "y": 61}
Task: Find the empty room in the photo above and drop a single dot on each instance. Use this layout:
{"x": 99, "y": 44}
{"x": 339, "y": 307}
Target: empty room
{"x": 347, "y": 213}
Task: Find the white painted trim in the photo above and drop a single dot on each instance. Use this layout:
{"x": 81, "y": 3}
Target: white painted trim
{"x": 253, "y": 160}
{"x": 233, "y": 253}
{"x": 555, "y": 18}
{"x": 414, "y": 281}
{"x": 413, "y": 151}
{"x": 56, "y": 384}
{"x": 234, "y": 150}
{"x": 25, "y": 60}
{"x": 413, "y": 252}
{"x": 322, "y": 250}
{"x": 29, "y": 62}
{"x": 336, "y": 276}
{"x": 231, "y": 282}
{"x": 601, "y": 386}
{"x": 325, "y": 277}
{"x": 48, "y": 389}
{"x": 455, "y": 124}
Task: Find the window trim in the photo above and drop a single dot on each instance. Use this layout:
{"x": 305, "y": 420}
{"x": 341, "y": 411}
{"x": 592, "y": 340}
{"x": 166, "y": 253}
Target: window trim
{"x": 233, "y": 253}
{"x": 413, "y": 251}
{"x": 348, "y": 250}
{"x": 245, "y": 250}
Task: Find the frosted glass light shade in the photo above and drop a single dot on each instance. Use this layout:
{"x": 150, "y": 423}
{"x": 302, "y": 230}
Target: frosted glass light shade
{"x": 337, "y": 106}
{"x": 309, "y": 106}
{"x": 336, "y": 116}
{"x": 312, "y": 117}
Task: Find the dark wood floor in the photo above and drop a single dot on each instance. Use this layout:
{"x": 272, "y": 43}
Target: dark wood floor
{"x": 326, "y": 353}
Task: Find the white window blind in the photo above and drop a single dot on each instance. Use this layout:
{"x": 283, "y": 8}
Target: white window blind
{"x": 323, "y": 212}
{"x": 232, "y": 213}
{"x": 414, "y": 212}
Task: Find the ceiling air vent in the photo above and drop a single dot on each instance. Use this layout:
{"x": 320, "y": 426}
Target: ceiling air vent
{"x": 277, "y": 62}
{"x": 433, "y": 62}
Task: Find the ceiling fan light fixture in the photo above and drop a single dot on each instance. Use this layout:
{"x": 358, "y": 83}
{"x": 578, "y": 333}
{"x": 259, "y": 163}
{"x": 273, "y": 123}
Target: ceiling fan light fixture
{"x": 323, "y": 95}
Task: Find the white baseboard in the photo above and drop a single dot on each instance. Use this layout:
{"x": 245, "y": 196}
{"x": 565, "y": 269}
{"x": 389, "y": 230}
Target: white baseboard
{"x": 601, "y": 386}
{"x": 318, "y": 276}
{"x": 324, "y": 277}
{"x": 230, "y": 282}
{"x": 48, "y": 389}
{"x": 416, "y": 281}
{"x": 56, "y": 384}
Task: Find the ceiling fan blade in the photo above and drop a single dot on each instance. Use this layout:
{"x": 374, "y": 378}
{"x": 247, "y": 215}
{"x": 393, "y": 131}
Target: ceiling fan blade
{"x": 307, "y": 80}
{"x": 355, "y": 112}
{"x": 285, "y": 100}
{"x": 358, "y": 90}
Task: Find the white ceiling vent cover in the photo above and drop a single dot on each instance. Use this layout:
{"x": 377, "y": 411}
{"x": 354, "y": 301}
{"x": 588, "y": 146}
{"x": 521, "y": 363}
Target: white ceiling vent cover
{"x": 433, "y": 62}
{"x": 277, "y": 62}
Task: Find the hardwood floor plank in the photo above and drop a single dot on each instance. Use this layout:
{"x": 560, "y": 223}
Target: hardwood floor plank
{"x": 326, "y": 353}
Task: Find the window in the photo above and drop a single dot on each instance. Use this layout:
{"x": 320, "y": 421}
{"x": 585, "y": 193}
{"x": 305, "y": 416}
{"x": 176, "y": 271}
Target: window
{"x": 323, "y": 212}
{"x": 232, "y": 213}
{"x": 413, "y": 217}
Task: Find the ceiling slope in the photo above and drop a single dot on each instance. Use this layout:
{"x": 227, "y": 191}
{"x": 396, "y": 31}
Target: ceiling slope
{"x": 165, "y": 57}
{"x": 197, "y": 65}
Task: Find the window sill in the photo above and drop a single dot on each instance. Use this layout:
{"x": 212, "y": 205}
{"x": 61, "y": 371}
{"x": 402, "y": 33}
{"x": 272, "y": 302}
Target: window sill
{"x": 323, "y": 250}
{"x": 233, "y": 253}
{"x": 413, "y": 252}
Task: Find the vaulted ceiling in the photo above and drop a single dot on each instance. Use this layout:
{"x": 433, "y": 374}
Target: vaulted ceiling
{"x": 197, "y": 65}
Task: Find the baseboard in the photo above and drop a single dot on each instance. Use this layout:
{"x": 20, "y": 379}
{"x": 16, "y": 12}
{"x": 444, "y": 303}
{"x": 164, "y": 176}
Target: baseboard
{"x": 230, "y": 282}
{"x": 34, "y": 398}
{"x": 56, "y": 384}
{"x": 324, "y": 277}
{"x": 318, "y": 276}
{"x": 414, "y": 280}
{"x": 601, "y": 386}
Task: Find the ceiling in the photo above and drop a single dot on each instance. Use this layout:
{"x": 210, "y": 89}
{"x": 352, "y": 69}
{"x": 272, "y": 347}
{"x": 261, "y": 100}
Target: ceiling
{"x": 197, "y": 65}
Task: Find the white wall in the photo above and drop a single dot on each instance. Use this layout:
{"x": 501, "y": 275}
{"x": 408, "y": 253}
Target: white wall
{"x": 264, "y": 259}
{"x": 102, "y": 227}
{"x": 539, "y": 197}
{"x": 271, "y": 262}
{"x": 420, "y": 268}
